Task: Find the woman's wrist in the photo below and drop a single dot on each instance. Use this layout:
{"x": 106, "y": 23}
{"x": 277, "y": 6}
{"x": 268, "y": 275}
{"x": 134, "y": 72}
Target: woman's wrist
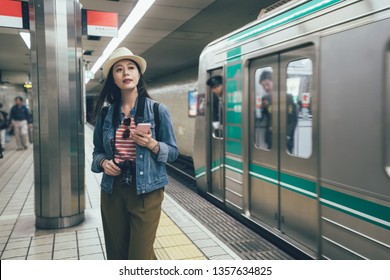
{"x": 102, "y": 163}
{"x": 154, "y": 146}
{"x": 151, "y": 144}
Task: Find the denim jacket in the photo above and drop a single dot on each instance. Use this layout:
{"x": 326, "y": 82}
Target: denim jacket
{"x": 151, "y": 172}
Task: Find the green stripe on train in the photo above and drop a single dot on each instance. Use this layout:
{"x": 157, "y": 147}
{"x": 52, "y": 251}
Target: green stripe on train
{"x": 234, "y": 99}
{"x": 366, "y": 210}
{"x": 233, "y": 95}
{"x": 216, "y": 163}
{"x": 287, "y": 17}
{"x": 233, "y": 147}
{"x": 233, "y": 69}
{"x": 201, "y": 171}
{"x": 233, "y": 132}
{"x": 234, "y": 165}
{"x": 286, "y": 181}
{"x": 229, "y": 163}
{"x": 233, "y": 117}
{"x": 263, "y": 173}
{"x": 232, "y": 55}
{"x": 299, "y": 185}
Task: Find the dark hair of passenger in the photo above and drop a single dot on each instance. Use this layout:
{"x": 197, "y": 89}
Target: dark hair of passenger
{"x": 19, "y": 98}
{"x": 112, "y": 93}
{"x": 266, "y": 75}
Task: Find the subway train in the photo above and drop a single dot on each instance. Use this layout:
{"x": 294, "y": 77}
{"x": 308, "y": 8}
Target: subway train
{"x": 307, "y": 161}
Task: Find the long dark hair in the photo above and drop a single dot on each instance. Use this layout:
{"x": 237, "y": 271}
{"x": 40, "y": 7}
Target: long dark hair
{"x": 112, "y": 93}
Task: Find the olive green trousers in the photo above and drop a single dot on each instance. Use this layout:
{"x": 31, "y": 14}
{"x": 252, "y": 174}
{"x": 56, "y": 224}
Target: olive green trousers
{"x": 130, "y": 222}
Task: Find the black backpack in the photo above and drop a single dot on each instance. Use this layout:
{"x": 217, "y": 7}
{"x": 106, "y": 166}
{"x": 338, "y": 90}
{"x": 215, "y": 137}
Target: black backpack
{"x": 139, "y": 115}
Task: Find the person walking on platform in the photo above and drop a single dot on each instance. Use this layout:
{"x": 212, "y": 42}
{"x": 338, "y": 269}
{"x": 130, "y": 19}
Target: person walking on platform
{"x": 132, "y": 160}
{"x": 20, "y": 118}
{"x": 3, "y": 128}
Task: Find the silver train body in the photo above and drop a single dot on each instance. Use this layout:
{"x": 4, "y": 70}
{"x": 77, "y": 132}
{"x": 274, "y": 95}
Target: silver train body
{"x": 327, "y": 191}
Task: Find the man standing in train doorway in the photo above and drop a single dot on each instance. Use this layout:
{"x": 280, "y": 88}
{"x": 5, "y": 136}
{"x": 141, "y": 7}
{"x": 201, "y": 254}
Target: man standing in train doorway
{"x": 19, "y": 118}
{"x": 216, "y": 86}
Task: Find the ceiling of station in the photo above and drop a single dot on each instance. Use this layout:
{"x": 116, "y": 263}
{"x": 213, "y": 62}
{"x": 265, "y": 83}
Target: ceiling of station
{"x": 170, "y": 36}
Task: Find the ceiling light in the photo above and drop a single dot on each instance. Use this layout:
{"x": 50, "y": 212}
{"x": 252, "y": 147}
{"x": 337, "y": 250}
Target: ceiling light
{"x": 134, "y": 17}
{"x": 26, "y": 38}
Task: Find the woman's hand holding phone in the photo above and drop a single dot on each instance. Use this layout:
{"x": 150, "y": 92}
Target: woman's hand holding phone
{"x": 142, "y": 134}
{"x": 143, "y": 127}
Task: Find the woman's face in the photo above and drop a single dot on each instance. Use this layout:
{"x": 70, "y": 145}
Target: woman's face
{"x": 126, "y": 74}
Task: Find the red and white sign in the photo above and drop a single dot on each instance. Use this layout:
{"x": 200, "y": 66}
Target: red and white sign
{"x": 305, "y": 100}
{"x": 102, "y": 24}
{"x": 11, "y": 14}
{"x": 258, "y": 102}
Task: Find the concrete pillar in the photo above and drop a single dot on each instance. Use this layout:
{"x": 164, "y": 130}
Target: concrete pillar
{"x": 56, "y": 56}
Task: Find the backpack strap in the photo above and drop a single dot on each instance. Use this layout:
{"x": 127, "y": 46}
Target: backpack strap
{"x": 156, "y": 120}
{"x": 104, "y": 114}
{"x": 139, "y": 114}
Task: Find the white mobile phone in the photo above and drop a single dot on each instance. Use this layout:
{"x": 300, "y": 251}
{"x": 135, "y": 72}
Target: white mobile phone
{"x": 143, "y": 127}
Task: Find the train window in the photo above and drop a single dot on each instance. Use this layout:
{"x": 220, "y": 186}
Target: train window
{"x": 387, "y": 111}
{"x": 298, "y": 108}
{"x": 263, "y": 111}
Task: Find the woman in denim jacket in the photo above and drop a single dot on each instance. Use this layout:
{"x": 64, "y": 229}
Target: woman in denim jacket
{"x": 133, "y": 161}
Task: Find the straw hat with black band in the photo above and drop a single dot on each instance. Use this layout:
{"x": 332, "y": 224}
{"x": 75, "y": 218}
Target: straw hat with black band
{"x": 120, "y": 54}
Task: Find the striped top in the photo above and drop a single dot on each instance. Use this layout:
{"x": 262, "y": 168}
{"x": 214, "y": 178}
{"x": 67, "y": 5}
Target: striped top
{"x": 125, "y": 148}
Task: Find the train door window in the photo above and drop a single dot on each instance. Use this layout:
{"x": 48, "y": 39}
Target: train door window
{"x": 263, "y": 109}
{"x": 299, "y": 125}
{"x": 387, "y": 111}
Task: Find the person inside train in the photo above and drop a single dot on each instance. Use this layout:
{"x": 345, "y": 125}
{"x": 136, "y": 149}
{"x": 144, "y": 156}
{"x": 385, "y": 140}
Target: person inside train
{"x": 292, "y": 121}
{"x": 133, "y": 161}
{"x": 216, "y": 87}
{"x": 265, "y": 121}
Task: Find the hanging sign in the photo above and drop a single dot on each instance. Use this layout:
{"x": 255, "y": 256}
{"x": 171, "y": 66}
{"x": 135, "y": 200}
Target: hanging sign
{"x": 97, "y": 23}
{"x": 305, "y": 100}
{"x": 14, "y": 14}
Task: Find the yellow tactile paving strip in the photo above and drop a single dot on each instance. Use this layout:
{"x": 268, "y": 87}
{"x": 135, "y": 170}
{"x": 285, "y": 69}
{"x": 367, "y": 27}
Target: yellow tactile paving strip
{"x": 172, "y": 244}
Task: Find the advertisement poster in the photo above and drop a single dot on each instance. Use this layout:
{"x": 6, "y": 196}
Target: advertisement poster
{"x": 192, "y": 103}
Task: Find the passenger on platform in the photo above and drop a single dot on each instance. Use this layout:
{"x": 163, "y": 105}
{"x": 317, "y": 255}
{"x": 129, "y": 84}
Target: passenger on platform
{"x": 216, "y": 86}
{"x": 20, "y": 119}
{"x": 133, "y": 161}
{"x": 3, "y": 128}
